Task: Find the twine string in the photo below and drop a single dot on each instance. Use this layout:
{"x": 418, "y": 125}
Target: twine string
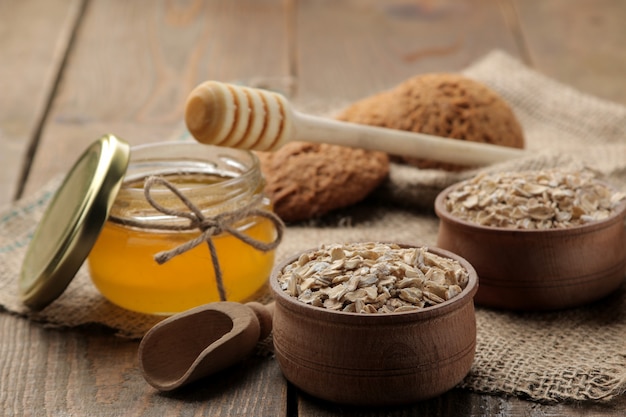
{"x": 208, "y": 226}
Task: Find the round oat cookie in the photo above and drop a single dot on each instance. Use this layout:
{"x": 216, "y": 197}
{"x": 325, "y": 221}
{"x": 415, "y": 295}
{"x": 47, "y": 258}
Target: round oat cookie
{"x": 447, "y": 105}
{"x": 307, "y": 180}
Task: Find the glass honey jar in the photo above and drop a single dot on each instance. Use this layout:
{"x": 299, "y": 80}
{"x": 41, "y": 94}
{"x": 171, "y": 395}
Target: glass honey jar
{"x": 188, "y": 203}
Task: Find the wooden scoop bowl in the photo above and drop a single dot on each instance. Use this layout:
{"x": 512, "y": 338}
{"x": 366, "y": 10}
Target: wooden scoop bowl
{"x": 247, "y": 118}
{"x": 202, "y": 341}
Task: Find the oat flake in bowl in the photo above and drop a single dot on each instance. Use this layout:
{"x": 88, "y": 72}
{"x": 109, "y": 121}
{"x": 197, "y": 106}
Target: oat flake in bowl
{"x": 373, "y": 277}
{"x": 548, "y": 199}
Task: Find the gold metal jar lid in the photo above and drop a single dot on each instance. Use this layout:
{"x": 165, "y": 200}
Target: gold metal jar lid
{"x": 72, "y": 221}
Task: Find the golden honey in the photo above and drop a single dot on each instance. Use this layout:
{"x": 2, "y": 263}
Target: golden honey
{"x": 216, "y": 180}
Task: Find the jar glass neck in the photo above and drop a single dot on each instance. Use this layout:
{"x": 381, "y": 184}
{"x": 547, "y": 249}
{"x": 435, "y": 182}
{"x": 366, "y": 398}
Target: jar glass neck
{"x": 216, "y": 180}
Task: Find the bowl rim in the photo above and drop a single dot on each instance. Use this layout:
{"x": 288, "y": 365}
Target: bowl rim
{"x": 618, "y": 213}
{"x": 466, "y": 296}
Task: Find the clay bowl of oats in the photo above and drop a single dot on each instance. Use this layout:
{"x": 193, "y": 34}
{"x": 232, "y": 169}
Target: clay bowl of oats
{"x": 374, "y": 323}
{"x": 539, "y": 240}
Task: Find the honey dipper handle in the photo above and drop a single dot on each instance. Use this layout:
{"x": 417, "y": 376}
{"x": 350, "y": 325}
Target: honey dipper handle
{"x": 398, "y": 142}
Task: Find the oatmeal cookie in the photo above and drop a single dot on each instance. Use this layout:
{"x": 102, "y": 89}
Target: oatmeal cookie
{"x": 447, "y": 105}
{"x": 307, "y": 180}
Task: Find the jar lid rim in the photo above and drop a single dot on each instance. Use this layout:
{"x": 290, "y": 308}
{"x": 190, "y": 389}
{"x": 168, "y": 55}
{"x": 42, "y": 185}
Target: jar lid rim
{"x": 72, "y": 221}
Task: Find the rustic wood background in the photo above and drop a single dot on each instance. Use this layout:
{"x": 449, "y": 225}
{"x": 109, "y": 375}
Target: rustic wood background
{"x": 71, "y": 70}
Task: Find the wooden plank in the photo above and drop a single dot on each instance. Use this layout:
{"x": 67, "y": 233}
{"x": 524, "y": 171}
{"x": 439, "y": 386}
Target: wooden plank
{"x": 581, "y": 45}
{"x": 350, "y": 49}
{"x": 135, "y": 62}
{"x": 69, "y": 372}
{"x": 460, "y": 403}
{"x": 34, "y": 35}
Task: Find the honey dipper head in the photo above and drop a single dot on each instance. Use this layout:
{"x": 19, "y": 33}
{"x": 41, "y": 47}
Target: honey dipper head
{"x": 239, "y": 117}
{"x": 208, "y": 114}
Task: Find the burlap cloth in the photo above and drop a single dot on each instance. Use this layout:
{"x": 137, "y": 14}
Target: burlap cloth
{"x": 579, "y": 354}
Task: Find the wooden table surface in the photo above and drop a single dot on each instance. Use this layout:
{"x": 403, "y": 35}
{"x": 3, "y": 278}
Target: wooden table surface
{"x": 71, "y": 70}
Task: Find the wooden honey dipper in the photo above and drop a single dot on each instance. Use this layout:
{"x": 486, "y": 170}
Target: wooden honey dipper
{"x": 248, "y": 118}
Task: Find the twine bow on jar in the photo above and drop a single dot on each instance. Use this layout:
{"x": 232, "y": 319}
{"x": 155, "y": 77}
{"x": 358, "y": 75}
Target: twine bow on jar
{"x": 209, "y": 227}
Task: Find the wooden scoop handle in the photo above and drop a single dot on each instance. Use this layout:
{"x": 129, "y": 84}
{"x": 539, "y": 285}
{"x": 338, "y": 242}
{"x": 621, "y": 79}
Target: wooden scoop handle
{"x": 202, "y": 341}
{"x": 248, "y": 118}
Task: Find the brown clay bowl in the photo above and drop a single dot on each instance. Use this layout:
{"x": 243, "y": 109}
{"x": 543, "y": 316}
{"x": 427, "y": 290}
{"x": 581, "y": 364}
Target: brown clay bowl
{"x": 532, "y": 270}
{"x": 375, "y": 359}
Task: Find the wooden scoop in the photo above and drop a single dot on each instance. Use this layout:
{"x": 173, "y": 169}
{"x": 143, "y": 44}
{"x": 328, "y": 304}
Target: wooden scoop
{"x": 247, "y": 118}
{"x": 202, "y": 341}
